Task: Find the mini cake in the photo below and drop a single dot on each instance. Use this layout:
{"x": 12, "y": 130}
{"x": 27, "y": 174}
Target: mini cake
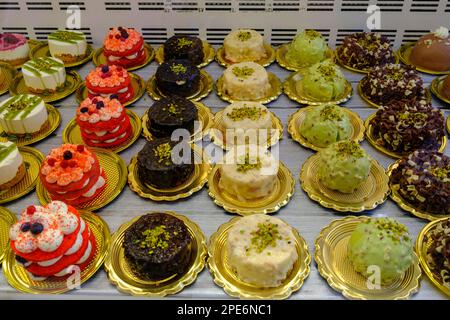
{"x": 22, "y": 114}
{"x": 124, "y": 47}
{"x": 184, "y": 47}
{"x": 261, "y": 250}
{"x": 307, "y": 48}
{"x": 343, "y": 166}
{"x": 158, "y": 167}
{"x": 110, "y": 80}
{"x": 68, "y": 46}
{"x": 323, "y": 81}
{"x": 432, "y": 51}
{"x": 49, "y": 241}
{"x": 14, "y": 48}
{"x": 438, "y": 253}
{"x": 248, "y": 172}
{"x": 72, "y": 173}
{"x": 157, "y": 246}
{"x": 12, "y": 168}
{"x": 170, "y": 114}
{"x": 45, "y": 74}
{"x": 103, "y": 122}
{"x": 244, "y": 45}
{"x": 366, "y": 50}
{"x": 325, "y": 125}
{"x": 423, "y": 180}
{"x": 246, "y": 81}
{"x": 178, "y": 77}
{"x": 404, "y": 126}
{"x": 383, "y": 243}
{"x": 446, "y": 87}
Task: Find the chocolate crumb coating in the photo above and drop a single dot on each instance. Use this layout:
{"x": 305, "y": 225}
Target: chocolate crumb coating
{"x": 438, "y": 253}
{"x": 184, "y": 47}
{"x": 178, "y": 77}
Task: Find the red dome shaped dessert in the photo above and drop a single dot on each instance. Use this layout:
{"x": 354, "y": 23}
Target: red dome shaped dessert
{"x": 432, "y": 51}
{"x": 124, "y": 47}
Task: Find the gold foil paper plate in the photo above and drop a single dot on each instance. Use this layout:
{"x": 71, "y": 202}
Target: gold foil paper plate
{"x": 100, "y": 59}
{"x": 52, "y": 123}
{"x": 208, "y": 52}
{"x": 7, "y": 74}
{"x": 32, "y": 159}
{"x": 335, "y": 267}
{"x": 274, "y": 93}
{"x": 220, "y": 57}
{"x": 284, "y": 63}
{"x": 405, "y": 53}
{"x": 296, "y": 119}
{"x": 218, "y": 132}
{"x": 372, "y": 139}
{"x": 423, "y": 243}
{"x": 225, "y": 277}
{"x": 206, "y": 85}
{"x": 448, "y": 124}
{"x": 195, "y": 183}
{"x": 368, "y": 196}
{"x": 436, "y": 88}
{"x": 32, "y": 43}
{"x": 137, "y": 83}
{"x": 280, "y": 196}
{"x": 18, "y": 278}
{"x": 72, "y": 133}
{"x": 7, "y": 219}
{"x": 359, "y": 70}
{"x": 116, "y": 178}
{"x": 120, "y": 273}
{"x": 205, "y": 117}
{"x": 298, "y": 94}
{"x": 72, "y": 83}
{"x": 42, "y": 50}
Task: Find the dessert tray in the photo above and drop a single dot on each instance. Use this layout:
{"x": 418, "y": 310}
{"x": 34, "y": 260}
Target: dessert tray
{"x": 436, "y": 88}
{"x": 405, "y": 52}
{"x": 208, "y": 52}
{"x": 281, "y": 58}
{"x": 100, "y": 59}
{"x": 268, "y": 60}
{"x": 7, "y": 219}
{"x": 42, "y": 50}
{"x": 7, "y": 74}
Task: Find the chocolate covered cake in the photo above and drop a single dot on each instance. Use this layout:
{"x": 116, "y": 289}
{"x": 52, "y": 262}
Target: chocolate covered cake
{"x": 438, "y": 253}
{"x": 184, "y": 47}
{"x": 432, "y": 51}
{"x": 157, "y": 246}
{"x": 423, "y": 179}
{"x": 171, "y": 113}
{"x": 159, "y": 168}
{"x": 178, "y": 77}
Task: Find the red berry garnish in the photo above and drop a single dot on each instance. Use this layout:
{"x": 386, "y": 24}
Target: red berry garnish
{"x": 51, "y": 162}
{"x": 117, "y": 36}
{"x": 72, "y": 164}
{"x": 64, "y": 164}
{"x": 80, "y": 148}
{"x": 31, "y": 210}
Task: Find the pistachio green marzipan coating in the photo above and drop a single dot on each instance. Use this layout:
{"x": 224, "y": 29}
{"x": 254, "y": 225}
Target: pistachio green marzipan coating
{"x": 307, "y": 48}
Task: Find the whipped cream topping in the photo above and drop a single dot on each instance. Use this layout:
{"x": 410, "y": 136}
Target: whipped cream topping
{"x": 441, "y": 32}
{"x": 99, "y": 109}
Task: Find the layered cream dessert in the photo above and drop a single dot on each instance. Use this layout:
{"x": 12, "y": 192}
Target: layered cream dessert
{"x": 14, "y": 48}
{"x": 44, "y": 74}
{"x": 12, "y": 169}
{"x": 244, "y": 45}
{"x": 68, "y": 46}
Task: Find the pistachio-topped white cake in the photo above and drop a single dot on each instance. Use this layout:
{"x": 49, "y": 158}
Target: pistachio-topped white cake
{"x": 69, "y": 46}
{"x": 246, "y": 115}
{"x": 44, "y": 74}
{"x": 244, "y": 45}
{"x": 12, "y": 169}
{"x": 261, "y": 250}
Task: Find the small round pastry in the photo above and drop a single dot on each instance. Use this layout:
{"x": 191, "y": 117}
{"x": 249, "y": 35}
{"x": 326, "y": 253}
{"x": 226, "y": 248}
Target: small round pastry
{"x": 157, "y": 246}
{"x": 44, "y": 74}
{"x": 248, "y": 172}
{"x": 407, "y": 125}
{"x": 261, "y": 250}
{"x": 158, "y": 167}
{"x": 22, "y": 114}
{"x": 438, "y": 253}
{"x": 12, "y": 168}
{"x": 324, "y": 81}
{"x": 423, "y": 179}
{"x": 392, "y": 82}
{"x": 171, "y": 113}
{"x": 244, "y": 45}
{"x": 432, "y": 51}
{"x": 382, "y": 243}
{"x": 246, "y": 81}
{"x": 446, "y": 87}
{"x": 307, "y": 48}
{"x": 365, "y": 50}
{"x": 124, "y": 47}
{"x": 325, "y": 125}
{"x": 68, "y": 46}
{"x": 244, "y": 117}
{"x": 14, "y": 48}
{"x": 184, "y": 47}
{"x": 178, "y": 77}
{"x": 343, "y": 166}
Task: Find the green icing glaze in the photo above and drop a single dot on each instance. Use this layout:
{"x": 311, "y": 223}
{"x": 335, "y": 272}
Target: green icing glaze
{"x": 19, "y": 106}
{"x": 6, "y": 150}
{"x": 307, "y": 48}
{"x": 66, "y": 36}
{"x": 43, "y": 65}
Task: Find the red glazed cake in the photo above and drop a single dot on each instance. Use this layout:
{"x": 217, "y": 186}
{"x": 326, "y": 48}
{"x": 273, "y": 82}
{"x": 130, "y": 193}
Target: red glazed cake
{"x": 50, "y": 241}
{"x": 72, "y": 173}
{"x": 103, "y": 122}
{"x": 110, "y": 80}
{"x": 124, "y": 47}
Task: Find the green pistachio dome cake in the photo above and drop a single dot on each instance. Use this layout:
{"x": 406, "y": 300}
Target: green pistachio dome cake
{"x": 381, "y": 242}
{"x": 323, "y": 81}
{"x": 325, "y": 125}
{"x": 343, "y": 166}
{"x": 307, "y": 48}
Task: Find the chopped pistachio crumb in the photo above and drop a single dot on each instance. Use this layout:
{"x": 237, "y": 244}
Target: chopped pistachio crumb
{"x": 265, "y": 236}
{"x": 178, "y": 68}
{"x": 395, "y": 230}
{"x": 440, "y": 173}
{"x": 172, "y": 108}
{"x": 182, "y": 42}
{"x": 350, "y": 148}
{"x": 252, "y": 113}
{"x": 331, "y": 112}
{"x": 312, "y": 34}
{"x": 245, "y": 164}
{"x": 327, "y": 71}
{"x": 164, "y": 153}
{"x": 244, "y": 35}
{"x": 243, "y": 72}
{"x": 156, "y": 238}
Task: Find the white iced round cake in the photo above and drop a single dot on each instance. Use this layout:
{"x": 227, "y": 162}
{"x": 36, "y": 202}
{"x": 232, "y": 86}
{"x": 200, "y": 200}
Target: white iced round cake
{"x": 44, "y": 74}
{"x": 11, "y": 165}
{"x": 14, "y": 48}
{"x": 69, "y": 46}
{"x": 244, "y": 45}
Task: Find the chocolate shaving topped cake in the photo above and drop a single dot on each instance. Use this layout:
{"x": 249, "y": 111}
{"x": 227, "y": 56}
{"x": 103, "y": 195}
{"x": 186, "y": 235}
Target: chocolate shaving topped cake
{"x": 157, "y": 246}
{"x": 179, "y": 77}
{"x": 184, "y": 47}
{"x": 423, "y": 179}
{"x": 407, "y": 125}
{"x": 438, "y": 253}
